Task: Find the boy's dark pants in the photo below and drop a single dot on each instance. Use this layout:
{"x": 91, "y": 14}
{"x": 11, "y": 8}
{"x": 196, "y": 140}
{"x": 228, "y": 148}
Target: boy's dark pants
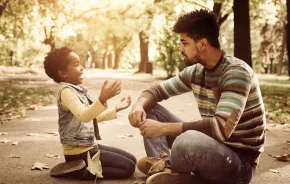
{"x": 116, "y": 163}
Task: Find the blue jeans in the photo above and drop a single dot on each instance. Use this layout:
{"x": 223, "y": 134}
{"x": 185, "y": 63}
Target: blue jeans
{"x": 194, "y": 152}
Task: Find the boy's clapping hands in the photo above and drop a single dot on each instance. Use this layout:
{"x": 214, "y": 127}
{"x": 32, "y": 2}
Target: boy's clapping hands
{"x": 109, "y": 91}
{"x": 123, "y": 104}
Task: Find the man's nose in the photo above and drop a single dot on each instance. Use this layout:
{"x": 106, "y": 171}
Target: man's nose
{"x": 181, "y": 49}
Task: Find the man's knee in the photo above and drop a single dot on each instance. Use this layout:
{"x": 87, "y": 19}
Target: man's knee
{"x": 185, "y": 146}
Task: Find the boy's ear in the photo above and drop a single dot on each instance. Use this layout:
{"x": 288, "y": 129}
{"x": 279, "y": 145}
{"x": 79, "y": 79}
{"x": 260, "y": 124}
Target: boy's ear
{"x": 61, "y": 74}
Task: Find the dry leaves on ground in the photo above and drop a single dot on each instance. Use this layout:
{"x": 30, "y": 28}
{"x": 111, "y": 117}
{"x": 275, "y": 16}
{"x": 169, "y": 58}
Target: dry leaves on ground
{"x": 14, "y": 156}
{"x": 15, "y": 143}
{"x": 32, "y": 134}
{"x": 157, "y": 165}
{"x": 274, "y": 171}
{"x": 52, "y": 156}
{"x": 5, "y": 141}
{"x": 163, "y": 154}
{"x": 282, "y": 158}
{"x": 124, "y": 136}
{"x": 39, "y": 166}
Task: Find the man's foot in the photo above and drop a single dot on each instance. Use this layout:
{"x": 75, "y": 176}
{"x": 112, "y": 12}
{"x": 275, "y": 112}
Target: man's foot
{"x": 169, "y": 178}
{"x": 65, "y": 168}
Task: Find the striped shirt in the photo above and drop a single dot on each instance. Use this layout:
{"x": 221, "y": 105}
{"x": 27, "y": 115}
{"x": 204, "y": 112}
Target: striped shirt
{"x": 229, "y": 100}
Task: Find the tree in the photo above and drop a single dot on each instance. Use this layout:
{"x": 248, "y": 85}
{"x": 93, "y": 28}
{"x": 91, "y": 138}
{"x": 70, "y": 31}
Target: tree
{"x": 288, "y": 35}
{"x": 242, "y": 37}
{"x": 144, "y": 37}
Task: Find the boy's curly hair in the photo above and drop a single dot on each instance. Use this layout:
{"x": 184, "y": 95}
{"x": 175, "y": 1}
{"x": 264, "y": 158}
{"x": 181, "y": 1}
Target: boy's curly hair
{"x": 199, "y": 24}
{"x": 56, "y": 60}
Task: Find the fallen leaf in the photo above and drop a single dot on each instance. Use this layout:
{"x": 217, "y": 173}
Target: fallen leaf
{"x": 274, "y": 171}
{"x": 139, "y": 182}
{"x": 94, "y": 165}
{"x": 152, "y": 160}
{"x": 157, "y": 167}
{"x": 14, "y": 156}
{"x": 32, "y": 107}
{"x": 124, "y": 136}
{"x": 3, "y": 133}
{"x": 283, "y": 158}
{"x": 120, "y": 136}
{"x": 5, "y": 141}
{"x": 53, "y": 133}
{"x": 52, "y": 156}
{"x": 163, "y": 154}
{"x": 39, "y": 166}
{"x": 15, "y": 143}
{"x": 32, "y": 134}
{"x": 129, "y": 135}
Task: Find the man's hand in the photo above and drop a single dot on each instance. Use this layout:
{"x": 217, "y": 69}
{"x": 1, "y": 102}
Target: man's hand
{"x": 152, "y": 128}
{"x": 137, "y": 116}
{"x": 123, "y": 104}
{"x": 110, "y": 91}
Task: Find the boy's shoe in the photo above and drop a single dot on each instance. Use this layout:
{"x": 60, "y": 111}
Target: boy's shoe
{"x": 170, "y": 178}
{"x": 65, "y": 168}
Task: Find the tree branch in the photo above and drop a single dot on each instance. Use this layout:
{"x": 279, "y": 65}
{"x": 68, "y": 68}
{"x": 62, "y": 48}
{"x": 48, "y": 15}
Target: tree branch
{"x": 196, "y": 4}
{"x": 2, "y": 7}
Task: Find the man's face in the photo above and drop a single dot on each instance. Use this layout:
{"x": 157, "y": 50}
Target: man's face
{"x": 189, "y": 49}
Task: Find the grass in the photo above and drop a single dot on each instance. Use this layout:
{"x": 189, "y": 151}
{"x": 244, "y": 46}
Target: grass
{"x": 15, "y": 101}
{"x": 277, "y": 103}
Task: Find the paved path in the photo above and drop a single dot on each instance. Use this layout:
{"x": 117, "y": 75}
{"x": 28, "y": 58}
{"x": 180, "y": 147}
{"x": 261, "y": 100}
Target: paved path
{"x": 35, "y": 148}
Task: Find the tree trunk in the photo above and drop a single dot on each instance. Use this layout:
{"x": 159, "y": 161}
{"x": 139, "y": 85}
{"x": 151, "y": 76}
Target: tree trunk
{"x": 2, "y": 7}
{"x": 282, "y": 52}
{"x": 144, "y": 44}
{"x": 288, "y": 35}
{"x": 117, "y": 60}
{"x": 110, "y": 60}
{"x": 217, "y": 7}
{"x": 104, "y": 59}
{"x": 94, "y": 57}
{"x": 242, "y": 37}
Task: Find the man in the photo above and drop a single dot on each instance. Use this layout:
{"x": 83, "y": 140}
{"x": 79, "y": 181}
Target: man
{"x": 225, "y": 145}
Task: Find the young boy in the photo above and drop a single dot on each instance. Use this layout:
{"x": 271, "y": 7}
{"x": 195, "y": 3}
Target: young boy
{"x": 78, "y": 118}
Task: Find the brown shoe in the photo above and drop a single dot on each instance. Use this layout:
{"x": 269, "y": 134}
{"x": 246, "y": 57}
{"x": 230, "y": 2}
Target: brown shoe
{"x": 65, "y": 168}
{"x": 169, "y": 178}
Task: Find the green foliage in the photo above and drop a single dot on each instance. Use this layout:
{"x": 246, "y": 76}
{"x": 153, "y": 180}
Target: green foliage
{"x": 168, "y": 56}
{"x": 15, "y": 101}
{"x": 277, "y": 103}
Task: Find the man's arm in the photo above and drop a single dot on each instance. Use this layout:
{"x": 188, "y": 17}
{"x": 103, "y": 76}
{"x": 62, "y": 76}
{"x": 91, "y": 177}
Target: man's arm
{"x": 174, "y": 86}
{"x": 235, "y": 87}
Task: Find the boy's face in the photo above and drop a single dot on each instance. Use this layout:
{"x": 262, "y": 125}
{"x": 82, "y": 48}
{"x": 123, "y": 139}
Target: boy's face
{"x": 189, "y": 49}
{"x": 74, "y": 70}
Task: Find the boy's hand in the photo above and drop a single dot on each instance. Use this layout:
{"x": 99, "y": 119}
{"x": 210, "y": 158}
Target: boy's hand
{"x": 109, "y": 91}
{"x": 123, "y": 104}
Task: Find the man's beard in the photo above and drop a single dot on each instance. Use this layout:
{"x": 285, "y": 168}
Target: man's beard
{"x": 193, "y": 61}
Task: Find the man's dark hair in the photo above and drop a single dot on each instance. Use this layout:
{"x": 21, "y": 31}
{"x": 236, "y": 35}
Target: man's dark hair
{"x": 199, "y": 24}
{"x": 56, "y": 60}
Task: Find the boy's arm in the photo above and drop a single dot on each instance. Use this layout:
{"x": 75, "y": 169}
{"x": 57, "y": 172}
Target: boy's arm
{"x": 70, "y": 101}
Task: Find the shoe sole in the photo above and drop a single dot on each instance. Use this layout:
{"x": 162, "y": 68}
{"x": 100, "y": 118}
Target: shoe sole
{"x": 169, "y": 178}
{"x": 67, "y": 167}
